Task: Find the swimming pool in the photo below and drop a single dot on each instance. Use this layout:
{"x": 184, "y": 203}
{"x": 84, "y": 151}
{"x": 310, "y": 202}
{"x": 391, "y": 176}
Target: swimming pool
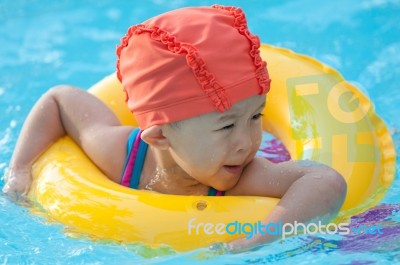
{"x": 47, "y": 43}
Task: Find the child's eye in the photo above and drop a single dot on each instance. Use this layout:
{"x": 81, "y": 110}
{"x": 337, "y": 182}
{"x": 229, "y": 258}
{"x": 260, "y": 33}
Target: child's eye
{"x": 257, "y": 116}
{"x": 230, "y": 126}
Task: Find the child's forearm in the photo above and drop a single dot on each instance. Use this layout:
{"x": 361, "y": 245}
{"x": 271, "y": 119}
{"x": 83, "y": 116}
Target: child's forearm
{"x": 315, "y": 196}
{"x": 41, "y": 128}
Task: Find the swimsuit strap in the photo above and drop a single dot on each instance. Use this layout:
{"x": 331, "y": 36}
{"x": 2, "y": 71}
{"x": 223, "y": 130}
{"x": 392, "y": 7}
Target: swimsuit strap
{"x": 136, "y": 155}
{"x": 137, "y": 150}
{"x": 214, "y": 192}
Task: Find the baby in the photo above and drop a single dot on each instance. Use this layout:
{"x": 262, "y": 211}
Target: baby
{"x": 196, "y": 84}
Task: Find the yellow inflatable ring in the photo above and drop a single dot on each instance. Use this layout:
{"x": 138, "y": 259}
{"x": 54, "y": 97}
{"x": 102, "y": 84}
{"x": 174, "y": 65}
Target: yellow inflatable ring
{"x": 310, "y": 108}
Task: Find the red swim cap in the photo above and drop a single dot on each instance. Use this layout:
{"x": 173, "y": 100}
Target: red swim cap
{"x": 188, "y": 62}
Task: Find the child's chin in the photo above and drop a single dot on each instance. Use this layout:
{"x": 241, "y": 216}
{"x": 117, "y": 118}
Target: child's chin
{"x": 227, "y": 185}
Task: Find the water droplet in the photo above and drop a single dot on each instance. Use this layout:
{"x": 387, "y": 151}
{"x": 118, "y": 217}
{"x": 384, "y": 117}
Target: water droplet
{"x": 13, "y": 123}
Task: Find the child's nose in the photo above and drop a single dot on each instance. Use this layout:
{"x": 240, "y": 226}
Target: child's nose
{"x": 243, "y": 141}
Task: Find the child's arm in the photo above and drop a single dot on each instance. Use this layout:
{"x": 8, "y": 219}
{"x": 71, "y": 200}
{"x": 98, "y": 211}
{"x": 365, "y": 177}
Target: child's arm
{"x": 308, "y": 191}
{"x": 67, "y": 110}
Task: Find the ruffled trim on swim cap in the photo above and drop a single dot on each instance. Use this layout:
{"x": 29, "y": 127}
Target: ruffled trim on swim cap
{"x": 240, "y": 24}
{"x": 205, "y": 78}
{"x": 124, "y": 43}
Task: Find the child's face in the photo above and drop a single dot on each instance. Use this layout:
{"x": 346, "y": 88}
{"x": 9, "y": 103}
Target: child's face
{"x": 215, "y": 147}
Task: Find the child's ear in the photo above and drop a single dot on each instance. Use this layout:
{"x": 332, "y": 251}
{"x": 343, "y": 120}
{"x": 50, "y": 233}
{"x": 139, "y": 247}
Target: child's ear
{"x": 154, "y": 137}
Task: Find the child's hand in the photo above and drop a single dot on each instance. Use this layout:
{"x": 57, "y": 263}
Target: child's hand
{"x": 234, "y": 247}
{"x": 240, "y": 245}
{"x": 243, "y": 244}
{"x": 17, "y": 183}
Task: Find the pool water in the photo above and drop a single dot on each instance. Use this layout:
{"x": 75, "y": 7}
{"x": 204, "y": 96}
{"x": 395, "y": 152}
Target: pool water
{"x": 44, "y": 43}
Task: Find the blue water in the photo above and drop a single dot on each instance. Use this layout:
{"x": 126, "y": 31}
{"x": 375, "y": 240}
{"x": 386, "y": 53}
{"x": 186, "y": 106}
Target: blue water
{"x": 44, "y": 43}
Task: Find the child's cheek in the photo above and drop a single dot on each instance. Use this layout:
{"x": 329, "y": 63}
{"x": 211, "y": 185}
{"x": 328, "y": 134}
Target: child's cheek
{"x": 257, "y": 137}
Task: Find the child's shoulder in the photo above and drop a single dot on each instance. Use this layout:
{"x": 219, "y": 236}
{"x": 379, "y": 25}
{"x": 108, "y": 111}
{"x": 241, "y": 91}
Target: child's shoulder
{"x": 253, "y": 175}
{"x": 261, "y": 177}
